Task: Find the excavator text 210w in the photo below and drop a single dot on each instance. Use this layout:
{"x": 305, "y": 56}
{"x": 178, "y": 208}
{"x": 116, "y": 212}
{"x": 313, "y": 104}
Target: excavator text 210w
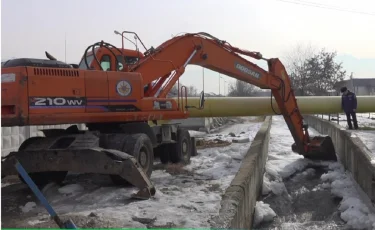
{"x": 115, "y": 93}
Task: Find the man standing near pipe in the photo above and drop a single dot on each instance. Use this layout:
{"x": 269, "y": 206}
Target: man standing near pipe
{"x": 349, "y": 105}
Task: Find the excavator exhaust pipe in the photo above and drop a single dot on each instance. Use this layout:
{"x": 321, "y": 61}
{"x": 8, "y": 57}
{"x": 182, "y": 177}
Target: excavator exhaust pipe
{"x": 321, "y": 148}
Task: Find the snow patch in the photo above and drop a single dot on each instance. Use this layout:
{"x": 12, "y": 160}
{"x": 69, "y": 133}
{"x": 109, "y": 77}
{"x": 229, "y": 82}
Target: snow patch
{"x": 194, "y": 133}
{"x": 34, "y": 222}
{"x": 70, "y": 189}
{"x": 5, "y": 184}
{"x": 301, "y": 190}
{"x": 276, "y": 187}
{"x": 263, "y": 213}
{"x": 28, "y": 207}
{"x": 353, "y": 211}
{"x": 283, "y": 163}
{"x": 320, "y": 187}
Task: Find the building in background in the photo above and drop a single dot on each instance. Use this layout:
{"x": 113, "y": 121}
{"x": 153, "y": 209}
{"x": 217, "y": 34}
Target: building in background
{"x": 360, "y": 86}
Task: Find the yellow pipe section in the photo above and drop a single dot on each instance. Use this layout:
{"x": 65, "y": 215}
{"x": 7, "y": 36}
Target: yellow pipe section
{"x": 258, "y": 106}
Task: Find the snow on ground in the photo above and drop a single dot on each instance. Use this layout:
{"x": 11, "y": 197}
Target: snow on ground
{"x": 283, "y": 163}
{"x": 70, "y": 189}
{"x": 366, "y": 123}
{"x": 353, "y": 210}
{"x": 28, "y": 207}
{"x": 364, "y": 119}
{"x": 194, "y": 133}
{"x": 263, "y": 212}
{"x": 187, "y": 199}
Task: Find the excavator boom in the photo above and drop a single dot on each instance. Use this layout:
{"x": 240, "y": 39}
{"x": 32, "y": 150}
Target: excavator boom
{"x": 170, "y": 59}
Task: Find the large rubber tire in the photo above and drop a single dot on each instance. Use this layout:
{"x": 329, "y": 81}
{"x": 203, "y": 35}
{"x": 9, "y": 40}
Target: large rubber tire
{"x": 164, "y": 153}
{"x": 181, "y": 151}
{"x": 42, "y": 178}
{"x": 194, "y": 151}
{"x": 139, "y": 146}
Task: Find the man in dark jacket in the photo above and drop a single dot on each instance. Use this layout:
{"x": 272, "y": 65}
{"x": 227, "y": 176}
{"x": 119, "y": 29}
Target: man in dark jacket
{"x": 349, "y": 105}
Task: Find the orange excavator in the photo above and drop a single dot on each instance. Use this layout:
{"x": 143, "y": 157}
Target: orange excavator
{"x": 115, "y": 92}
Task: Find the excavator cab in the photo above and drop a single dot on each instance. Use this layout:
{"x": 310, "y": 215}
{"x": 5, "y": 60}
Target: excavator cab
{"x": 110, "y": 59}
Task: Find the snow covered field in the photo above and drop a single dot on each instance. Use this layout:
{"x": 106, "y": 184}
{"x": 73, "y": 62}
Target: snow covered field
{"x": 366, "y": 123}
{"x": 185, "y": 197}
{"x": 364, "y": 119}
{"x": 301, "y": 194}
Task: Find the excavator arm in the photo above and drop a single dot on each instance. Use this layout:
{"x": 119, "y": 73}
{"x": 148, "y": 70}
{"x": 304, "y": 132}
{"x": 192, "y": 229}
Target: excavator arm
{"x": 170, "y": 59}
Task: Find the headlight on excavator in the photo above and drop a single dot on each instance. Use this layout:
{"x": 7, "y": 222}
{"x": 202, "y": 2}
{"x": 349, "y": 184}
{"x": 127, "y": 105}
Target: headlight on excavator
{"x": 156, "y": 105}
{"x": 162, "y": 105}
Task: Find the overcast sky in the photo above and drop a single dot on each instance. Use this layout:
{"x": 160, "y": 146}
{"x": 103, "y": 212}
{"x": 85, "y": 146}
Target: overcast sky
{"x": 272, "y": 27}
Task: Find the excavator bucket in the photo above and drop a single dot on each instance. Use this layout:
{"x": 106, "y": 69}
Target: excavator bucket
{"x": 47, "y": 157}
{"x": 321, "y": 148}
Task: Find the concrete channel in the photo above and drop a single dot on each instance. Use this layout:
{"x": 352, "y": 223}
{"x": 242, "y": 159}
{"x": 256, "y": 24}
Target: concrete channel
{"x": 353, "y": 155}
{"x": 238, "y": 202}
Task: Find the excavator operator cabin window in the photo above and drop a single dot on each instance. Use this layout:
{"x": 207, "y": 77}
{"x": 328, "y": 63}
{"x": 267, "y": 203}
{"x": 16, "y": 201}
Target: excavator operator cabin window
{"x": 105, "y": 62}
{"x": 131, "y": 60}
{"x": 120, "y": 60}
{"x": 82, "y": 64}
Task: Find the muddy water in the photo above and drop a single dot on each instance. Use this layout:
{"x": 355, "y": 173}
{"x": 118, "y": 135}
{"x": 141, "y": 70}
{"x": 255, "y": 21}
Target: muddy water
{"x": 305, "y": 205}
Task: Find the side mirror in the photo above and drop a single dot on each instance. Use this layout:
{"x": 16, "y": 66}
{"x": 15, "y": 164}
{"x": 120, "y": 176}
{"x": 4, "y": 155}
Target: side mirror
{"x": 201, "y": 100}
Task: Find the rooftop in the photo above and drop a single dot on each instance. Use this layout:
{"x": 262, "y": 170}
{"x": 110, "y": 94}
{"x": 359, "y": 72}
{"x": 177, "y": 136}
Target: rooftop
{"x": 357, "y": 82}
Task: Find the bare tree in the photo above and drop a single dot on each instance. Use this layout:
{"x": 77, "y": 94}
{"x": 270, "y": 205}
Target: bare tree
{"x": 242, "y": 89}
{"x": 324, "y": 71}
{"x": 192, "y": 91}
{"x": 295, "y": 63}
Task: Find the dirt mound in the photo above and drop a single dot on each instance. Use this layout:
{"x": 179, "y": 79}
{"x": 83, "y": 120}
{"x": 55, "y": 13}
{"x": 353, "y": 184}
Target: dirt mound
{"x": 202, "y": 144}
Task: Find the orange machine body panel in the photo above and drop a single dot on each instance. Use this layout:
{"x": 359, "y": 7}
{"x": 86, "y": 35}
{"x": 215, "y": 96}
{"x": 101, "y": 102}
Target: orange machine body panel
{"x": 14, "y": 96}
{"x": 42, "y": 96}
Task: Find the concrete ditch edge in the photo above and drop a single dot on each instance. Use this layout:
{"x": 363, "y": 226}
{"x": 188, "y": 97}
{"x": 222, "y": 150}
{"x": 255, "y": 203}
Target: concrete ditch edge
{"x": 352, "y": 153}
{"x": 239, "y": 199}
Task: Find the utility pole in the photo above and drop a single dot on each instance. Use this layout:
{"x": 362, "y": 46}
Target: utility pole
{"x": 224, "y": 86}
{"x": 203, "y": 77}
{"x": 352, "y": 82}
{"x": 219, "y": 84}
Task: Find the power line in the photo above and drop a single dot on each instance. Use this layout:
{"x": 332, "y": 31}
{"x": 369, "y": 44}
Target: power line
{"x": 324, "y": 6}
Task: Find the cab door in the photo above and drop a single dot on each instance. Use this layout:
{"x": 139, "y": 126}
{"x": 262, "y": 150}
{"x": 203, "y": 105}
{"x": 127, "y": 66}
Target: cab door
{"x": 97, "y": 87}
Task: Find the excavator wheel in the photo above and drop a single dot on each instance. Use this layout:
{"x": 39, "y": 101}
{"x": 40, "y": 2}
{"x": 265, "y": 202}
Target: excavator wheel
{"x": 180, "y": 152}
{"x": 194, "y": 151}
{"x": 322, "y": 148}
{"x": 163, "y": 153}
{"x": 139, "y": 146}
{"x": 42, "y": 178}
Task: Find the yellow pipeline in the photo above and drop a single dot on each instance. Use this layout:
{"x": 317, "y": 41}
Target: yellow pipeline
{"x": 257, "y": 106}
